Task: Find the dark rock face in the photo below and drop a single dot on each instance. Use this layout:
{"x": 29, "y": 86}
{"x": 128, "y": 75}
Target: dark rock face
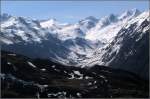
{"x": 133, "y": 54}
{"x": 23, "y": 77}
{"x": 33, "y": 49}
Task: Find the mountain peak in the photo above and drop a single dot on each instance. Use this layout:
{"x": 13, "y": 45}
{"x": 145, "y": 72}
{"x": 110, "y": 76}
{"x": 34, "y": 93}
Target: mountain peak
{"x": 112, "y": 17}
{"x": 51, "y": 20}
{"x": 107, "y": 20}
{"x": 88, "y": 23}
{"x": 89, "y": 19}
{"x": 125, "y": 14}
{"x": 4, "y": 16}
{"x": 92, "y": 18}
{"x": 135, "y": 12}
{"x": 128, "y": 13}
{"x": 48, "y": 23}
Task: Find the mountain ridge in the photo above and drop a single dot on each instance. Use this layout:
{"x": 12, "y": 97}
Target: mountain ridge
{"x": 94, "y": 41}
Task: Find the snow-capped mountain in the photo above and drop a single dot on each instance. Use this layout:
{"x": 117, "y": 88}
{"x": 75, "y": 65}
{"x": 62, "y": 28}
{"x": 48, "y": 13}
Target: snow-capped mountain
{"x": 108, "y": 27}
{"x": 129, "y": 48}
{"x": 21, "y": 35}
{"x": 129, "y": 13}
{"x": 87, "y": 23}
{"x": 85, "y": 43}
{"x": 48, "y": 23}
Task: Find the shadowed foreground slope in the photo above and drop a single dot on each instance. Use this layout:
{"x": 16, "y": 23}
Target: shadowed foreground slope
{"x": 24, "y": 77}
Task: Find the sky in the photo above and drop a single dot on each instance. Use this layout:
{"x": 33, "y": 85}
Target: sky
{"x": 69, "y": 11}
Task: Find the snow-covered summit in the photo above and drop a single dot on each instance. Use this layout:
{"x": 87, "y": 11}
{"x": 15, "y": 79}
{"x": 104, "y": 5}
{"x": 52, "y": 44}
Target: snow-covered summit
{"x": 87, "y": 23}
{"x": 48, "y": 23}
{"x": 129, "y": 13}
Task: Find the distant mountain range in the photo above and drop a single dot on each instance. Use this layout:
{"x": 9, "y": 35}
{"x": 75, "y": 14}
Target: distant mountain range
{"x": 117, "y": 41}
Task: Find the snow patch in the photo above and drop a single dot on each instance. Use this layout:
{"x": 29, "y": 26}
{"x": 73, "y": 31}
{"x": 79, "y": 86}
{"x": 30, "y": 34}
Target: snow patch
{"x": 31, "y": 64}
{"x": 43, "y": 69}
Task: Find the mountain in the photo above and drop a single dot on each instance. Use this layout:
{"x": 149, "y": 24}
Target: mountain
{"x": 109, "y": 26}
{"x": 129, "y": 48}
{"x": 48, "y": 23}
{"x": 117, "y": 41}
{"x": 87, "y": 23}
{"x": 21, "y": 35}
{"x": 129, "y": 13}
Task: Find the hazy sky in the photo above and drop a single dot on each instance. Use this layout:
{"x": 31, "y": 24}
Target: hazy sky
{"x": 69, "y": 11}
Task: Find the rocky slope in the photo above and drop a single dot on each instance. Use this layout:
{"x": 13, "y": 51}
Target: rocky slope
{"x": 129, "y": 49}
{"x": 23, "y": 77}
